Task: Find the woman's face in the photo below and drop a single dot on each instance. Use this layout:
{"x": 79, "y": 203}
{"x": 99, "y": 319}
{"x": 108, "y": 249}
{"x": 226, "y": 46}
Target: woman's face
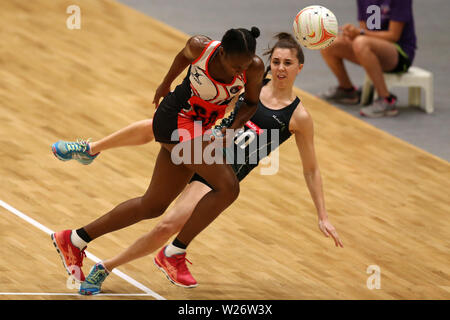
{"x": 235, "y": 63}
{"x": 284, "y": 66}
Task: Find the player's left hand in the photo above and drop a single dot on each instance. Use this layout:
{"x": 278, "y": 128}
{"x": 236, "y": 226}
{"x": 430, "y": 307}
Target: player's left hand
{"x": 350, "y": 31}
{"x": 329, "y": 230}
{"x": 221, "y": 136}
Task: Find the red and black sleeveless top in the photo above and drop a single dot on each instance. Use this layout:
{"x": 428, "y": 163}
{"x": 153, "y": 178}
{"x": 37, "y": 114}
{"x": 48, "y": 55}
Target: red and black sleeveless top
{"x": 200, "y": 97}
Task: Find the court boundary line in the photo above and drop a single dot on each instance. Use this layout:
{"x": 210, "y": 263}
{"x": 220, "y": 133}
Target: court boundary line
{"x": 89, "y": 255}
{"x": 74, "y": 294}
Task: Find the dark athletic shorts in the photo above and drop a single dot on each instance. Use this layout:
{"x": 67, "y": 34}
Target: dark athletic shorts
{"x": 240, "y": 170}
{"x": 197, "y": 177}
{"x": 403, "y": 61}
{"x": 172, "y": 125}
{"x": 165, "y": 125}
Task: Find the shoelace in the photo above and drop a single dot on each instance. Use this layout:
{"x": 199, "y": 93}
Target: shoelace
{"x": 79, "y": 146}
{"x": 79, "y": 260}
{"x": 83, "y": 255}
{"x": 181, "y": 263}
{"x": 74, "y": 259}
{"x": 98, "y": 276}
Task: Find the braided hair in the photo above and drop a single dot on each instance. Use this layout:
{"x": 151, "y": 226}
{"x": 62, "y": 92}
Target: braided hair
{"x": 240, "y": 41}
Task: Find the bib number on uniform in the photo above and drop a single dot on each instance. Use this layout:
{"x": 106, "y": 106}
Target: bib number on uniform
{"x": 204, "y": 111}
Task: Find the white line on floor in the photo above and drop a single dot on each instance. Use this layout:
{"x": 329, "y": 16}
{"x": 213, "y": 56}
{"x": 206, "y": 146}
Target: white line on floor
{"x": 73, "y": 294}
{"x": 88, "y": 255}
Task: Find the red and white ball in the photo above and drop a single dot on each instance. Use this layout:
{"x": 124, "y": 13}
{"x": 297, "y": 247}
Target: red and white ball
{"x": 315, "y": 27}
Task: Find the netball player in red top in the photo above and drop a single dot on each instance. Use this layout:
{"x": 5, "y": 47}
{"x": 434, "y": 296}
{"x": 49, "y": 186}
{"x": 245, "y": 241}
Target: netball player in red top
{"x": 279, "y": 111}
{"x": 218, "y": 70}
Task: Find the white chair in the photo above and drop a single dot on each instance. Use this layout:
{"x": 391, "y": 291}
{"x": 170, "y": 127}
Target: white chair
{"x": 415, "y": 79}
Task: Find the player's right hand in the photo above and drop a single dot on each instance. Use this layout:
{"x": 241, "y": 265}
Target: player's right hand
{"x": 162, "y": 91}
{"x": 329, "y": 230}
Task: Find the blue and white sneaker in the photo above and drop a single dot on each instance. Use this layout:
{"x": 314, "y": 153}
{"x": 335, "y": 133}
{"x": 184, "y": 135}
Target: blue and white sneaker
{"x": 67, "y": 150}
{"x": 93, "y": 283}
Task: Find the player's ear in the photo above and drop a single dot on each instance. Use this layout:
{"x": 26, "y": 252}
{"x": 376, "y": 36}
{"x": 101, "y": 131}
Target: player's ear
{"x": 300, "y": 67}
{"x": 221, "y": 51}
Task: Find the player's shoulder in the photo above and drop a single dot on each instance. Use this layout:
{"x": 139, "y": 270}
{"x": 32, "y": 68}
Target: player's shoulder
{"x": 199, "y": 40}
{"x": 257, "y": 63}
{"x": 301, "y": 119}
{"x": 196, "y": 44}
{"x": 256, "y": 68}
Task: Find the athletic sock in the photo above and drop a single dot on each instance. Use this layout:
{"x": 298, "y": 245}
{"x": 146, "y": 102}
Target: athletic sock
{"x": 77, "y": 241}
{"x": 176, "y": 247}
{"x": 80, "y": 238}
{"x": 90, "y": 151}
{"x": 84, "y": 235}
{"x": 391, "y": 98}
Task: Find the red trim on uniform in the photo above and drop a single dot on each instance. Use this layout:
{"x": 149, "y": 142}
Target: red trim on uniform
{"x": 228, "y": 93}
{"x": 201, "y": 54}
{"x": 188, "y": 129}
{"x": 209, "y": 76}
{"x": 193, "y": 89}
{"x": 244, "y": 74}
{"x": 206, "y": 112}
{"x": 254, "y": 127}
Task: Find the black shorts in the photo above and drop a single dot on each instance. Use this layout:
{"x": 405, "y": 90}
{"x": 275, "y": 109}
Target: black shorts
{"x": 166, "y": 124}
{"x": 197, "y": 177}
{"x": 240, "y": 170}
{"x": 403, "y": 61}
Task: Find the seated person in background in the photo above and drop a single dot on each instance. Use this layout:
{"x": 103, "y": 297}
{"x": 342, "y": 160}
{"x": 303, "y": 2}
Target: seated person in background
{"x": 384, "y": 42}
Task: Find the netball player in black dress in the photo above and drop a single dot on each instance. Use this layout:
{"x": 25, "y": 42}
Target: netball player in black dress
{"x": 217, "y": 71}
{"x": 279, "y": 111}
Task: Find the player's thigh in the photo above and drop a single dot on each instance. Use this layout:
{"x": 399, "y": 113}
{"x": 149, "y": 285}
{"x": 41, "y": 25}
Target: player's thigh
{"x": 341, "y": 48}
{"x": 385, "y": 51}
{"x": 196, "y": 156}
{"x": 168, "y": 181}
{"x": 177, "y": 215}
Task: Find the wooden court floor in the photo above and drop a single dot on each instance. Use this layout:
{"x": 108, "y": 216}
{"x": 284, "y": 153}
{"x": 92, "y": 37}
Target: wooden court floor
{"x": 388, "y": 200}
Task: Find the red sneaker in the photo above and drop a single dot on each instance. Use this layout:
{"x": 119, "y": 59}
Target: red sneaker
{"x": 71, "y": 256}
{"x": 175, "y": 269}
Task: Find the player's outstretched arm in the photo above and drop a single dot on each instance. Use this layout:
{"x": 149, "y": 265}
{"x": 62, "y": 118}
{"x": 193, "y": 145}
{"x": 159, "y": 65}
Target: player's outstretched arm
{"x": 302, "y": 125}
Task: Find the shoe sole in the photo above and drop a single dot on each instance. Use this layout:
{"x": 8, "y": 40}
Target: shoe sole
{"x": 89, "y": 293}
{"x": 342, "y": 101}
{"x": 62, "y": 256}
{"x": 349, "y": 102}
{"x": 170, "y": 279}
{"x": 380, "y": 115}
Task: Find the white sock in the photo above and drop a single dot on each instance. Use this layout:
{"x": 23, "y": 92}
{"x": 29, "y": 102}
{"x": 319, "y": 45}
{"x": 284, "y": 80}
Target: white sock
{"x": 171, "y": 250}
{"x": 77, "y": 241}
